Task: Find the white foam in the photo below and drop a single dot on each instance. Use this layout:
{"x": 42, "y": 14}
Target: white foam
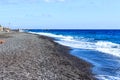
{"x": 106, "y": 77}
{"x": 105, "y": 47}
{"x": 55, "y": 36}
{"x": 83, "y": 43}
{"x": 108, "y": 47}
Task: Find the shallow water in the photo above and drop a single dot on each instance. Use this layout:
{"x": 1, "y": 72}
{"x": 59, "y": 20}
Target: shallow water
{"x": 105, "y": 66}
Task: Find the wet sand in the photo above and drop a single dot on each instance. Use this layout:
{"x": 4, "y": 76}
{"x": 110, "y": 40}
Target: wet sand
{"x": 26, "y": 56}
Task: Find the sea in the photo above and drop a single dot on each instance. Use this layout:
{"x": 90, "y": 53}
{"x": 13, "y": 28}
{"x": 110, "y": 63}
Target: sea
{"x": 101, "y": 48}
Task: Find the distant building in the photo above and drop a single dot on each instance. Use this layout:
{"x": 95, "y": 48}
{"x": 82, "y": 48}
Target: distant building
{"x": 4, "y": 29}
{"x": 1, "y": 28}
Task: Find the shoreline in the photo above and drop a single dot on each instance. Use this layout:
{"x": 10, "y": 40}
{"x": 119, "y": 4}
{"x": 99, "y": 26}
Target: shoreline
{"x": 31, "y": 56}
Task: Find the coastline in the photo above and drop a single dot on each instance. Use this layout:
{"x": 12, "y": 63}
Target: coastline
{"x": 29, "y": 56}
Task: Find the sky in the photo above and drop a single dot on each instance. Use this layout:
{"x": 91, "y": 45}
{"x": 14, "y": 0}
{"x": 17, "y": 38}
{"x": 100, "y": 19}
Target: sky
{"x": 60, "y": 14}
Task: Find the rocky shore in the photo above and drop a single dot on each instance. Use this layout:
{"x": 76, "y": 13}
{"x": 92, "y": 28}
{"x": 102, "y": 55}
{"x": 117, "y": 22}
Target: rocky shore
{"x": 25, "y": 56}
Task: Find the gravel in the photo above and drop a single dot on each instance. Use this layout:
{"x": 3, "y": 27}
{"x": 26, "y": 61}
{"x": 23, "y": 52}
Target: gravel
{"x": 26, "y": 56}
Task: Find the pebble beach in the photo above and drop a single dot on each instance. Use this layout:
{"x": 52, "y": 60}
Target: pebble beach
{"x": 25, "y": 56}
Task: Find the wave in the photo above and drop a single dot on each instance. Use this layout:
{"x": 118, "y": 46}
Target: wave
{"x": 84, "y": 43}
{"x": 107, "y": 77}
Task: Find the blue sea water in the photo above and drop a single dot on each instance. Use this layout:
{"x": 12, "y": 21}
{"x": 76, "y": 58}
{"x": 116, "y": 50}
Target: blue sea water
{"x": 99, "y": 47}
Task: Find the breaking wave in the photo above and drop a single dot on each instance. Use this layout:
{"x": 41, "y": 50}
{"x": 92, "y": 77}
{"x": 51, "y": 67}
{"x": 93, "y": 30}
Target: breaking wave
{"x": 84, "y": 43}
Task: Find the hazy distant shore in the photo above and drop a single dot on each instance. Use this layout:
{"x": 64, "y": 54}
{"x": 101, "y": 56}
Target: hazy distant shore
{"x": 26, "y": 56}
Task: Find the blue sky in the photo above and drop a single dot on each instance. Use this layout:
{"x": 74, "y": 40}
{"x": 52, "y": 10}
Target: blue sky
{"x": 60, "y": 14}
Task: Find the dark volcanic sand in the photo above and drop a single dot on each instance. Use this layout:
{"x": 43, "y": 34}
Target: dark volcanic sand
{"x": 31, "y": 57}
